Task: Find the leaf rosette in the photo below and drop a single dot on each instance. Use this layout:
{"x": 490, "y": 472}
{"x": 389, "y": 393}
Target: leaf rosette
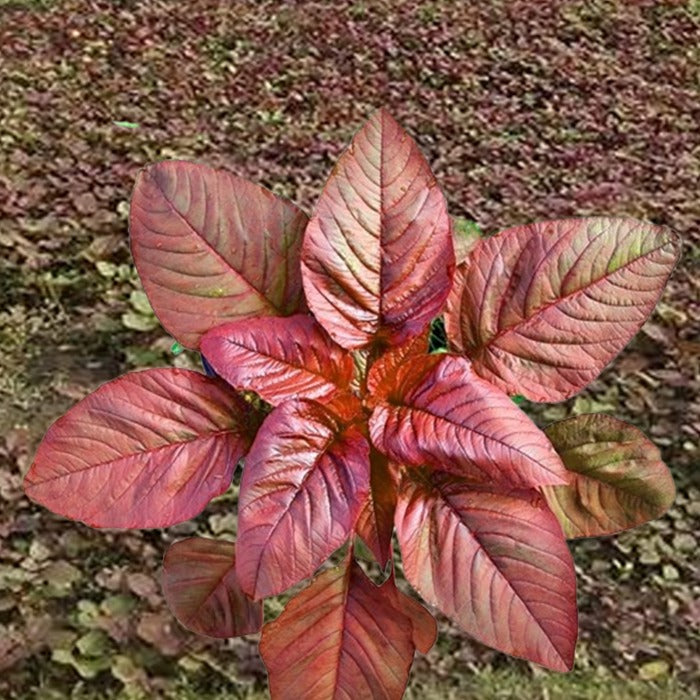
{"x": 356, "y": 429}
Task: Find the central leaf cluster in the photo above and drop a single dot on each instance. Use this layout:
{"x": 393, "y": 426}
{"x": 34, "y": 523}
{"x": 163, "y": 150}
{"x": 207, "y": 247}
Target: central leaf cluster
{"x": 354, "y": 389}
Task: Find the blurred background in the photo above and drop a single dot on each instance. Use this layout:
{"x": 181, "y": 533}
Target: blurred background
{"x": 526, "y": 110}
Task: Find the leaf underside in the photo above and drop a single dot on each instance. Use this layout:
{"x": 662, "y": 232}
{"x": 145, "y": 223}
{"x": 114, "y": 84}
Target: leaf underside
{"x": 211, "y": 247}
{"x": 149, "y": 449}
{"x": 376, "y": 521}
{"x": 279, "y": 358}
{"x": 200, "y": 586}
{"x": 423, "y": 623}
{"x": 305, "y": 480}
{"x": 377, "y": 258}
{"x": 542, "y": 309}
{"x": 494, "y": 561}
{"x": 619, "y": 480}
{"x": 344, "y": 637}
{"x": 439, "y": 413}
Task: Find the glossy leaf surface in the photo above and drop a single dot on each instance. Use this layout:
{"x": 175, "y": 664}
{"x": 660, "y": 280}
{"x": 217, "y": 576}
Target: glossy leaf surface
{"x": 495, "y": 562}
{"x": 200, "y": 586}
{"x": 384, "y": 371}
{"x": 619, "y": 480}
{"x": 423, "y": 623}
{"x": 377, "y": 259}
{"x": 149, "y": 449}
{"x": 305, "y": 480}
{"x": 440, "y": 413}
{"x": 376, "y": 522}
{"x": 211, "y": 247}
{"x": 279, "y": 358}
{"x": 342, "y": 637}
{"x": 542, "y": 309}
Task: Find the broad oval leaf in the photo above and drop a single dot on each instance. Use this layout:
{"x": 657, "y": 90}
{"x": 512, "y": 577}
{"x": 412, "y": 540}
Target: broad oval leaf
{"x": 377, "y": 258}
{"x": 376, "y": 521}
{"x": 619, "y": 480}
{"x": 202, "y": 591}
{"x": 493, "y": 561}
{"x": 211, "y": 247}
{"x": 279, "y": 358}
{"x": 149, "y": 449}
{"x": 342, "y": 637}
{"x": 439, "y": 413}
{"x": 542, "y": 309}
{"x": 305, "y": 480}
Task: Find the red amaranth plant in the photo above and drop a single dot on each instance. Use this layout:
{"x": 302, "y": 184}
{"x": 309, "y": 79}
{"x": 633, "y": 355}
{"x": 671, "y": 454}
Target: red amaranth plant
{"x": 349, "y": 427}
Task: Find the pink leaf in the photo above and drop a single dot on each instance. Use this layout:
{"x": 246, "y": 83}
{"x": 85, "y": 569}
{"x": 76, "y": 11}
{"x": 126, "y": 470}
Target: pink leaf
{"x": 149, "y": 449}
{"x": 201, "y": 589}
{"x": 279, "y": 358}
{"x": 495, "y": 562}
{"x": 376, "y": 521}
{"x": 377, "y": 258}
{"x": 441, "y": 414}
{"x": 542, "y": 309}
{"x": 342, "y": 637}
{"x": 211, "y": 247}
{"x": 305, "y": 480}
{"x": 384, "y": 370}
{"x": 423, "y": 623}
{"x": 619, "y": 480}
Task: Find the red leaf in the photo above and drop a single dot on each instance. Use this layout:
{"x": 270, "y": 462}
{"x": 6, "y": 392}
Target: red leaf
{"x": 441, "y": 414}
{"x": 377, "y": 259}
{"x": 149, "y": 449}
{"x": 211, "y": 247}
{"x": 342, "y": 637}
{"x": 495, "y": 562}
{"x": 376, "y": 522}
{"x": 384, "y": 370}
{"x": 304, "y": 483}
{"x": 201, "y": 589}
{"x": 279, "y": 358}
{"x": 619, "y": 480}
{"x": 542, "y": 309}
{"x": 423, "y": 623}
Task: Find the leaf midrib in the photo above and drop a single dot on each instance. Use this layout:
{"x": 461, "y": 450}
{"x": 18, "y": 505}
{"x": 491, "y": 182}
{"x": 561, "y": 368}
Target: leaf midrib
{"x": 456, "y": 513}
{"x": 484, "y": 344}
{"x": 150, "y": 451}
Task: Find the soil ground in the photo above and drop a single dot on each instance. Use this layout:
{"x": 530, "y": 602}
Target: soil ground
{"x": 526, "y": 110}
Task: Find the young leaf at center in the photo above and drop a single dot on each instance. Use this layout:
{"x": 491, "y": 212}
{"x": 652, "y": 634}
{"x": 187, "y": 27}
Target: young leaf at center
{"x": 305, "y": 480}
{"x": 434, "y": 410}
{"x": 279, "y": 358}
